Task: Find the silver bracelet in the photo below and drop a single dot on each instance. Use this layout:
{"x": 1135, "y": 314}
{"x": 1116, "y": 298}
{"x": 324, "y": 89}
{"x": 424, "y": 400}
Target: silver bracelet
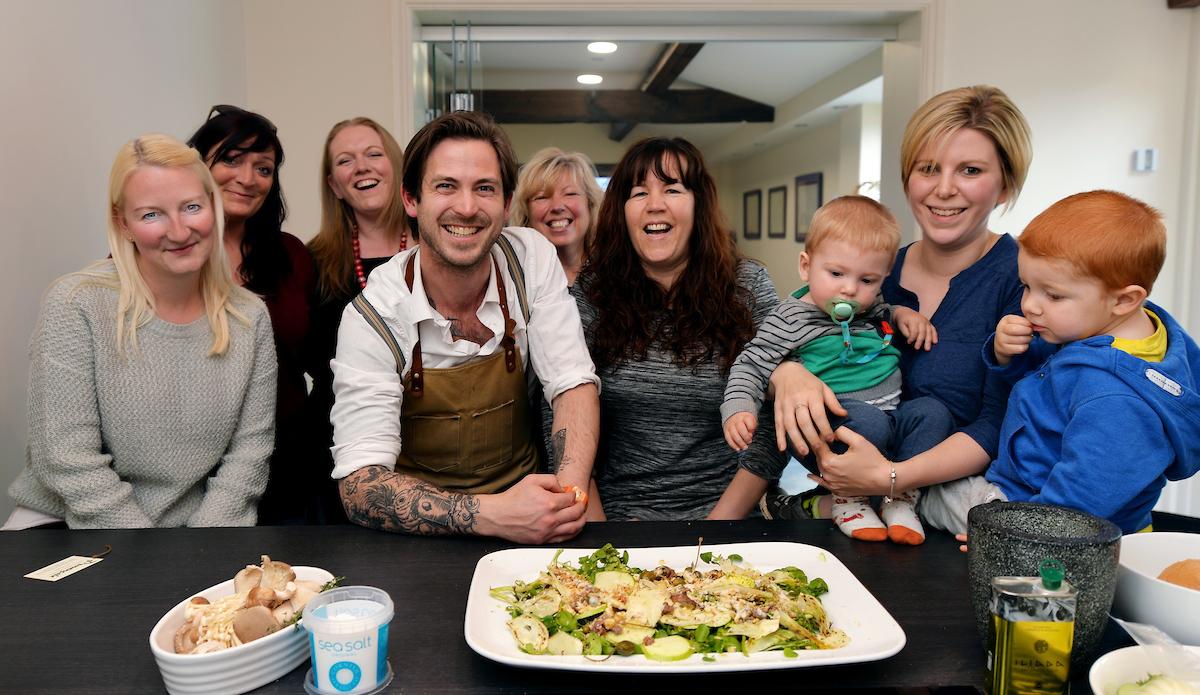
{"x": 892, "y": 492}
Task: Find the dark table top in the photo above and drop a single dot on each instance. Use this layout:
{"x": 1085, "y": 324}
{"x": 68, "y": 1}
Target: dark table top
{"x": 89, "y": 632}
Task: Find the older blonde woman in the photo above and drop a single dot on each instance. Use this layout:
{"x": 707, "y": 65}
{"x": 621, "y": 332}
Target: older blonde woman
{"x": 558, "y": 196}
{"x": 152, "y": 375}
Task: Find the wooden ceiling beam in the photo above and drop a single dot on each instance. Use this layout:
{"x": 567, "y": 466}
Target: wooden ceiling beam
{"x": 628, "y": 105}
{"x": 1181, "y": 4}
{"x": 670, "y": 65}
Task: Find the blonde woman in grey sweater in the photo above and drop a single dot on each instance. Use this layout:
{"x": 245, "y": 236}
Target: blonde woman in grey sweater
{"x": 152, "y": 375}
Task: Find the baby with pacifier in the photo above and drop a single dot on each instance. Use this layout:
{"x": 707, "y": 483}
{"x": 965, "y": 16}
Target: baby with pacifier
{"x": 840, "y": 329}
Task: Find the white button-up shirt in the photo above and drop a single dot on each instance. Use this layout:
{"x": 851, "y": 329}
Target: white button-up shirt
{"x": 368, "y": 392}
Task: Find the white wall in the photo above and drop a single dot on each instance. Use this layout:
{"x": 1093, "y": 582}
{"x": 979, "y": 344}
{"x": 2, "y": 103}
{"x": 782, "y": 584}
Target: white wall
{"x": 815, "y": 151}
{"x": 310, "y": 64}
{"x": 79, "y": 79}
{"x": 1096, "y": 79}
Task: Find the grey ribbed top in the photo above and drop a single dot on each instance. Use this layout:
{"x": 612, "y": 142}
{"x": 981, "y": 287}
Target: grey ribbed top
{"x": 164, "y": 436}
{"x": 662, "y": 451}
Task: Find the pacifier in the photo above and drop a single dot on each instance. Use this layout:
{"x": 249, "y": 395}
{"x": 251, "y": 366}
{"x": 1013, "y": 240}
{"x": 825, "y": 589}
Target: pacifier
{"x": 841, "y": 309}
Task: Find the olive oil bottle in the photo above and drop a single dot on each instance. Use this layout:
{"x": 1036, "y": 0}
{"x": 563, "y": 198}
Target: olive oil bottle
{"x": 1033, "y": 628}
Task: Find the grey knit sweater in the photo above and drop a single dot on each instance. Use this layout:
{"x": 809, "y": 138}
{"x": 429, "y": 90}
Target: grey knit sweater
{"x": 662, "y": 452}
{"x": 166, "y": 435}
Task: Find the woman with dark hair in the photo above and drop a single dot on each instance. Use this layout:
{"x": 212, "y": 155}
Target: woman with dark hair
{"x": 243, "y": 152}
{"x": 667, "y": 303}
{"x": 362, "y": 226}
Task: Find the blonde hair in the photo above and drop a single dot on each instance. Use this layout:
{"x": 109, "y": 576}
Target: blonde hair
{"x": 333, "y": 247}
{"x": 982, "y": 108}
{"x": 857, "y": 220}
{"x": 541, "y": 173}
{"x": 135, "y": 304}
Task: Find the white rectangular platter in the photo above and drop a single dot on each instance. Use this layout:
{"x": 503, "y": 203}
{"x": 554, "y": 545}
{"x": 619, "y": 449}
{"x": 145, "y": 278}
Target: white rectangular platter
{"x": 873, "y": 633}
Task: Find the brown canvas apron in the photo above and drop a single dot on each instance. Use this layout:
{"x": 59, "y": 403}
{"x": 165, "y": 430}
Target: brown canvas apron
{"x": 464, "y": 428}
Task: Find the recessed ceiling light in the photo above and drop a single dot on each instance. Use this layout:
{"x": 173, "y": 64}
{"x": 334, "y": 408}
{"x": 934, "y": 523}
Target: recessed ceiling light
{"x": 602, "y": 47}
{"x": 589, "y": 79}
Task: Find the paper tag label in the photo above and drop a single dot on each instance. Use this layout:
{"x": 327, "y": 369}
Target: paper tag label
{"x": 1163, "y": 382}
{"x": 63, "y": 568}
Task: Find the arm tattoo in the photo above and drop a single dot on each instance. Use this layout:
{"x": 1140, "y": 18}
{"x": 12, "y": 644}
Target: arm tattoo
{"x": 385, "y": 500}
{"x": 559, "y": 459}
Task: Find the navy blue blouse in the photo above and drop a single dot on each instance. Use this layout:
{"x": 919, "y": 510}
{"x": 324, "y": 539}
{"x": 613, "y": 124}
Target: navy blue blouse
{"x": 953, "y": 371}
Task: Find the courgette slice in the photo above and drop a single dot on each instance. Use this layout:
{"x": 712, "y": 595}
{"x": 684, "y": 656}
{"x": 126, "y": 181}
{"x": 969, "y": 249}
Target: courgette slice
{"x": 563, "y": 643}
{"x": 611, "y": 580}
{"x": 670, "y": 648}
{"x": 630, "y": 633}
{"x": 530, "y": 633}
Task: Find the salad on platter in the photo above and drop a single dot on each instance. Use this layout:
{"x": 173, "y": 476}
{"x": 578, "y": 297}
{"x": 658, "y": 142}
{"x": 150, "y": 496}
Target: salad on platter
{"x": 605, "y": 607}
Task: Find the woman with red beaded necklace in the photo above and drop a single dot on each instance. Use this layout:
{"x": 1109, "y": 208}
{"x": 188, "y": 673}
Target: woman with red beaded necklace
{"x": 362, "y": 226}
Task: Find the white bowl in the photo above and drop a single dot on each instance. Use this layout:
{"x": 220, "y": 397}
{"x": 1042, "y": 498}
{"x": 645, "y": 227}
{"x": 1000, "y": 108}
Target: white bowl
{"x": 234, "y": 670}
{"x": 1144, "y": 598}
{"x": 1122, "y": 666}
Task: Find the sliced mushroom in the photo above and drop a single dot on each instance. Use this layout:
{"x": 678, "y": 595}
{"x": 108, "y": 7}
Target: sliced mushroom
{"x": 250, "y": 624}
{"x": 284, "y": 612}
{"x": 304, "y": 594}
{"x": 248, "y": 578}
{"x": 259, "y": 596}
{"x": 193, "y": 606}
{"x": 208, "y": 646}
{"x": 286, "y": 593}
{"x": 276, "y": 575}
{"x": 186, "y": 637}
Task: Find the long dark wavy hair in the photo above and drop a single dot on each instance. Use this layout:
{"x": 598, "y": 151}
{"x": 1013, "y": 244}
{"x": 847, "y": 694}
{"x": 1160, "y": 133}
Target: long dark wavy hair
{"x": 706, "y": 315}
{"x": 265, "y": 261}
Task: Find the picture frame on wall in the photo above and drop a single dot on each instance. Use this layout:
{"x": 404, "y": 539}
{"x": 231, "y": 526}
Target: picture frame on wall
{"x": 752, "y": 214}
{"x": 809, "y": 196}
{"x": 777, "y": 212}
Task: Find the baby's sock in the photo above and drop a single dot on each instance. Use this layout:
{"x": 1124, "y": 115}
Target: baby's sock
{"x": 903, "y": 525}
{"x": 854, "y": 516}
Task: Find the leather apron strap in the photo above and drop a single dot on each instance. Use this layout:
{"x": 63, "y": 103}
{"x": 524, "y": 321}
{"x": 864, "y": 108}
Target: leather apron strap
{"x": 469, "y": 428}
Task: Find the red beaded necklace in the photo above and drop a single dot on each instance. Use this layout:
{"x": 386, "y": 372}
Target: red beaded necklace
{"x": 358, "y": 266}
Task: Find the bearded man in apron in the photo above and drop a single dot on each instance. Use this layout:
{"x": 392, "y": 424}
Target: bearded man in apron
{"x": 432, "y": 420}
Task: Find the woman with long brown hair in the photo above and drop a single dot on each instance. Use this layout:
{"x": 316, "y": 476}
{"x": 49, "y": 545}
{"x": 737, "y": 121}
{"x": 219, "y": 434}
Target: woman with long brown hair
{"x": 667, "y": 302}
{"x": 362, "y": 226}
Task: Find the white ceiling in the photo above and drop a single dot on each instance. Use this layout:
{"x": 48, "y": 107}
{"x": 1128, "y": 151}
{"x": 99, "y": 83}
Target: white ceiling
{"x": 656, "y": 18}
{"x": 769, "y": 71}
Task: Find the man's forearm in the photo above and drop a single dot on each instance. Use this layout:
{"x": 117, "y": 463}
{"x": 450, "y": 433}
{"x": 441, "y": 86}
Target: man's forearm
{"x": 381, "y": 499}
{"x": 575, "y": 431}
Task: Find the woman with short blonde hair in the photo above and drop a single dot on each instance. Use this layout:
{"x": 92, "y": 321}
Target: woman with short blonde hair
{"x": 152, "y": 374}
{"x": 965, "y": 153}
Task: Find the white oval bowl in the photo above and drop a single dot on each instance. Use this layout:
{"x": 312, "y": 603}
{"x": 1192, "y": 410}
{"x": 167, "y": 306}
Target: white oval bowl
{"x": 1122, "y": 666}
{"x": 234, "y": 670}
{"x": 1144, "y": 598}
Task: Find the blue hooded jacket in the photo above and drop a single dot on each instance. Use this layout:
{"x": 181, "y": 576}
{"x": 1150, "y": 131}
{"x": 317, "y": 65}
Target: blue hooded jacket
{"x": 1097, "y": 429}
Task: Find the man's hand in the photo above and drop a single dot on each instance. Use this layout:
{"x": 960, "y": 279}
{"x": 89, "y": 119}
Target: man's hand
{"x": 739, "y": 430}
{"x": 535, "y": 510}
{"x": 916, "y": 328}
{"x": 1013, "y": 335}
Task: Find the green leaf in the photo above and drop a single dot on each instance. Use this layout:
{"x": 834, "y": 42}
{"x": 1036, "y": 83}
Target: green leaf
{"x": 706, "y": 556}
{"x": 734, "y": 557}
{"x": 789, "y": 652}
